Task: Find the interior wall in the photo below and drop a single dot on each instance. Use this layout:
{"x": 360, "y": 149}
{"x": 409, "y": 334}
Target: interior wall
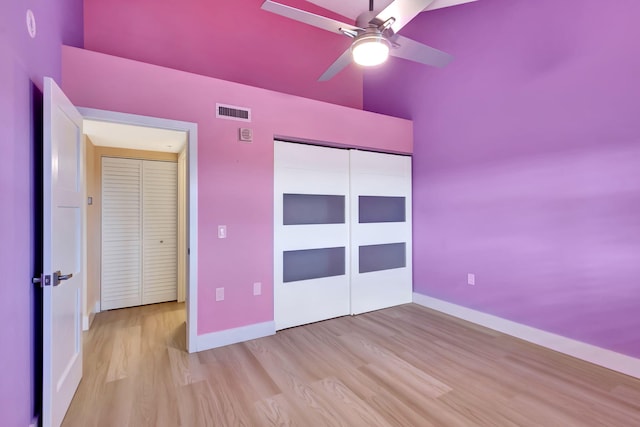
{"x": 94, "y": 212}
{"x": 93, "y": 251}
{"x": 235, "y": 179}
{"x": 526, "y": 163}
{"x": 23, "y": 63}
{"x": 230, "y": 40}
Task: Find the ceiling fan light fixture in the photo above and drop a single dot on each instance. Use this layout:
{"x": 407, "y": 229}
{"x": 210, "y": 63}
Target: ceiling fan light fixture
{"x": 370, "y": 49}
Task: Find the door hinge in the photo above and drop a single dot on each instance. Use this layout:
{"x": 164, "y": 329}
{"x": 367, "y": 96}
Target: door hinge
{"x": 43, "y": 280}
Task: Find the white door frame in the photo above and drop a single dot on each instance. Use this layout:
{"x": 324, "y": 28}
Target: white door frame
{"x": 192, "y": 195}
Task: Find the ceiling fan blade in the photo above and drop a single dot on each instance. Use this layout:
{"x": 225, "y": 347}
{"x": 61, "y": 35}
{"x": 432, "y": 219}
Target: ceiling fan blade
{"x": 307, "y": 17}
{"x": 339, "y": 64}
{"x": 402, "y": 11}
{"x": 418, "y": 52}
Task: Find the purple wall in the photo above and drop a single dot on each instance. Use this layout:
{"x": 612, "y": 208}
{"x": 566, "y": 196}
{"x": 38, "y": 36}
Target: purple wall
{"x": 23, "y": 63}
{"x": 527, "y": 163}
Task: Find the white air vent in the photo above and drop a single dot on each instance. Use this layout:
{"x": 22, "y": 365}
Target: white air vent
{"x": 231, "y": 112}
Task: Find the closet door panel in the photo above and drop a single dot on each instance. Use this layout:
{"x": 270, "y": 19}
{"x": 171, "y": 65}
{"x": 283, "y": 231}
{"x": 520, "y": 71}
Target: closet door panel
{"x": 381, "y": 245}
{"x": 311, "y": 260}
{"x": 121, "y": 233}
{"x": 160, "y": 228}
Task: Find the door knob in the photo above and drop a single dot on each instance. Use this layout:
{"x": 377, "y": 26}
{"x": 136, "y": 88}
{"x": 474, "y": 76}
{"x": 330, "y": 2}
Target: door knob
{"x": 57, "y": 277}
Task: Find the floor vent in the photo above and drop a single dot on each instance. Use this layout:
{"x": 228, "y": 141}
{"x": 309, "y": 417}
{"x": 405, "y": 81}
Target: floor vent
{"x": 233, "y": 113}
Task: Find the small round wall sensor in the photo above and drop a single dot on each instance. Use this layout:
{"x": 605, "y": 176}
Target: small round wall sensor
{"x": 31, "y": 23}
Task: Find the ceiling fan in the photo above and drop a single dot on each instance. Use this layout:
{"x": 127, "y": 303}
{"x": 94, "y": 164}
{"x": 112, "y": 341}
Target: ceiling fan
{"x": 374, "y": 34}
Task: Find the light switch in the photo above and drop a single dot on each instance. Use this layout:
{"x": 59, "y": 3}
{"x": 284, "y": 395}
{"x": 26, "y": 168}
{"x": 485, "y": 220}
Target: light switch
{"x": 222, "y": 232}
{"x": 219, "y": 294}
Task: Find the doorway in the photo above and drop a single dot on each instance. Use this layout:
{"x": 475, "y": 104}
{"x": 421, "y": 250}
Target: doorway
{"x": 111, "y": 135}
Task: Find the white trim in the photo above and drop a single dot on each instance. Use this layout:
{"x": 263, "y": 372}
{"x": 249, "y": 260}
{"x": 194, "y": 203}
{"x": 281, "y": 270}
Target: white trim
{"x": 192, "y": 153}
{"x": 182, "y": 226}
{"x": 87, "y": 319}
{"x": 600, "y": 356}
{"x": 85, "y": 272}
{"x": 235, "y": 335}
{"x": 192, "y": 248}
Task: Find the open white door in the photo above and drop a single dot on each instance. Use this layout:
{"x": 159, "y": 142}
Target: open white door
{"x": 62, "y": 253}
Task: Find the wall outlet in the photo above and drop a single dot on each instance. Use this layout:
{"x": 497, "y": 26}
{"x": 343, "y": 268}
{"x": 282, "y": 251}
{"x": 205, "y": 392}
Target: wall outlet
{"x": 257, "y": 288}
{"x": 222, "y": 232}
{"x": 219, "y": 294}
{"x": 471, "y": 279}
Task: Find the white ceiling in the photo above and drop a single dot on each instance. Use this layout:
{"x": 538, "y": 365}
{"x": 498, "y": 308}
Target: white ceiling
{"x": 353, "y": 8}
{"x": 118, "y": 135}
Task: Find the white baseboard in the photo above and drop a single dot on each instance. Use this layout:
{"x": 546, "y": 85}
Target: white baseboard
{"x": 600, "y": 356}
{"x": 87, "y": 320}
{"x": 235, "y": 335}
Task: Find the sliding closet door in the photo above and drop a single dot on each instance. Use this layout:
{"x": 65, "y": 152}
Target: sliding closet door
{"x": 311, "y": 269}
{"x": 160, "y": 231}
{"x": 381, "y": 270}
{"x": 121, "y": 270}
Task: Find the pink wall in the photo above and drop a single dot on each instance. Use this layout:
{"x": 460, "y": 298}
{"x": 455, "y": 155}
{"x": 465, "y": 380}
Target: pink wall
{"x": 231, "y": 40}
{"x": 235, "y": 179}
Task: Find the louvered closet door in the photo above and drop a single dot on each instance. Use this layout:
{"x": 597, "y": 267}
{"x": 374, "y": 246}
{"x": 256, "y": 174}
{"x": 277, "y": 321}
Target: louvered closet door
{"x": 139, "y": 232}
{"x": 160, "y": 228}
{"x": 121, "y": 233}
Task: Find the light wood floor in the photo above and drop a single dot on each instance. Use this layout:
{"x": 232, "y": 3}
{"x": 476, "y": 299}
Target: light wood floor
{"x": 403, "y": 366}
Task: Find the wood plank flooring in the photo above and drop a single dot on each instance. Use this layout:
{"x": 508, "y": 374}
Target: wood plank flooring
{"x": 403, "y": 366}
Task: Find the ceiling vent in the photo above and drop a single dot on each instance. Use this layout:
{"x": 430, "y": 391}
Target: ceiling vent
{"x": 231, "y": 112}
